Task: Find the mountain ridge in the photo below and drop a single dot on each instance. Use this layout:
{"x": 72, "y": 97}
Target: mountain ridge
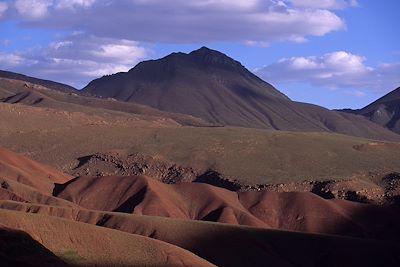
{"x": 384, "y": 111}
{"x": 210, "y": 85}
{"x": 46, "y": 83}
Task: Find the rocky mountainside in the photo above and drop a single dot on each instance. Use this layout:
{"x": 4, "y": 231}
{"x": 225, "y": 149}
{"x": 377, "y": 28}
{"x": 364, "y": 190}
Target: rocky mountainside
{"x": 17, "y": 91}
{"x": 385, "y": 111}
{"x": 210, "y": 85}
{"x": 46, "y": 83}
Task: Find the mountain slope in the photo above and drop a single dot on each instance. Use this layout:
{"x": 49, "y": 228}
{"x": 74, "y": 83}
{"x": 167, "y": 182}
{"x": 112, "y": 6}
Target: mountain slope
{"x": 15, "y": 91}
{"x": 385, "y": 111}
{"x": 49, "y": 84}
{"x": 210, "y": 85}
{"x": 67, "y": 140}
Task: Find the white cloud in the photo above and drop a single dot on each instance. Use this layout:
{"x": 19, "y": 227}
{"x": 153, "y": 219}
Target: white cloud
{"x": 5, "y": 42}
{"x": 357, "y": 93}
{"x": 3, "y": 8}
{"x": 12, "y": 60}
{"x": 103, "y": 30}
{"x": 324, "y": 4}
{"x": 238, "y": 4}
{"x": 77, "y": 59}
{"x": 71, "y": 4}
{"x": 182, "y": 21}
{"x": 124, "y": 51}
{"x": 334, "y": 70}
{"x": 33, "y": 9}
{"x": 39, "y": 9}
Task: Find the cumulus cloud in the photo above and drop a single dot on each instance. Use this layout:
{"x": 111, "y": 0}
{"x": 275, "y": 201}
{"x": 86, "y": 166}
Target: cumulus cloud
{"x": 356, "y": 93}
{"x": 182, "y": 21}
{"x": 71, "y": 4}
{"x": 32, "y": 9}
{"x": 39, "y": 9}
{"x": 324, "y": 4}
{"x": 77, "y": 59}
{"x": 13, "y": 60}
{"x": 112, "y": 25}
{"x": 3, "y": 8}
{"x": 336, "y": 70}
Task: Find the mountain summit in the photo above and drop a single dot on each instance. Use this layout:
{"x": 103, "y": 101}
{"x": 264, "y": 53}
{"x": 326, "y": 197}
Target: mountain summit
{"x": 210, "y": 85}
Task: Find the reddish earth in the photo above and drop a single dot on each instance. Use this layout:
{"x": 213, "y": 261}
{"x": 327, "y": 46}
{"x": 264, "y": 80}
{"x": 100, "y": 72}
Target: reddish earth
{"x": 295, "y": 211}
{"x": 17, "y": 249}
{"x": 87, "y": 245}
{"x": 23, "y": 170}
{"x": 221, "y": 244}
{"x": 103, "y": 221}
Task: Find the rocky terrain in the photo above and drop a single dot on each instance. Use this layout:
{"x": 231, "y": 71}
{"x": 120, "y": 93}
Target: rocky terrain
{"x": 44, "y": 83}
{"x": 377, "y": 188}
{"x": 385, "y": 111}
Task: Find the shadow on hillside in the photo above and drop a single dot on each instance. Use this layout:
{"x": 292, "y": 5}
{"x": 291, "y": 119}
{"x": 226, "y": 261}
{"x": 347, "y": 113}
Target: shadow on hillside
{"x": 370, "y": 238}
{"x": 214, "y": 178}
{"x": 18, "y": 249}
{"x": 58, "y": 188}
{"x": 269, "y": 248}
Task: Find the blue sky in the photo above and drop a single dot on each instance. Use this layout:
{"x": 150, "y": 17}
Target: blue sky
{"x": 334, "y": 53}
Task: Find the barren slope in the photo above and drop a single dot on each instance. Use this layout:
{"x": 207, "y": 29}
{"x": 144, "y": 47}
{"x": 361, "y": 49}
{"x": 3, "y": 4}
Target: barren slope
{"x": 210, "y": 85}
{"x": 222, "y": 244}
{"x": 304, "y": 212}
{"x": 18, "y": 249}
{"x": 14, "y": 91}
{"x": 385, "y": 111}
{"x": 76, "y": 237}
{"x": 21, "y": 169}
{"x": 67, "y": 139}
{"x": 86, "y": 245}
{"x": 50, "y": 84}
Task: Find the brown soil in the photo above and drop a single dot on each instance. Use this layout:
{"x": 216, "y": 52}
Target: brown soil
{"x": 293, "y": 211}
{"x": 18, "y": 249}
{"x": 224, "y": 244}
{"x": 21, "y": 169}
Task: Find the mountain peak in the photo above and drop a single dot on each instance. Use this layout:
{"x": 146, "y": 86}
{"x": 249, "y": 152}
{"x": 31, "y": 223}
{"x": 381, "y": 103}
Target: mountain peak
{"x": 204, "y": 50}
{"x": 213, "y": 57}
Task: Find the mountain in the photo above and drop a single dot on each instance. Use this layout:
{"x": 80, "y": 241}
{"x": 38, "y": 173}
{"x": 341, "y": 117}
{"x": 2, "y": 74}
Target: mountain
{"x": 210, "y": 85}
{"x": 16, "y": 91}
{"x": 46, "y": 83}
{"x": 385, "y": 111}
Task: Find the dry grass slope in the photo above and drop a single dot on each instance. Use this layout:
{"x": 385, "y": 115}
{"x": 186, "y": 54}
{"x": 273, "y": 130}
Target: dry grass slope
{"x": 251, "y": 156}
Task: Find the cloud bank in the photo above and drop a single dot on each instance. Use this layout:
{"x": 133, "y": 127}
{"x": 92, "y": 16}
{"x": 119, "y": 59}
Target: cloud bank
{"x": 112, "y": 35}
{"x": 182, "y": 21}
{"x": 3, "y": 8}
{"x": 77, "y": 59}
{"x": 336, "y": 70}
